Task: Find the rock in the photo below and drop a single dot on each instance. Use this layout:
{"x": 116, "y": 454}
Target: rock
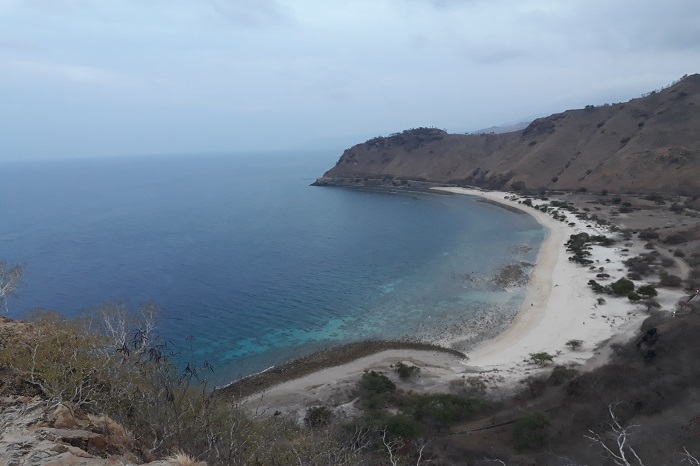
{"x": 35, "y": 433}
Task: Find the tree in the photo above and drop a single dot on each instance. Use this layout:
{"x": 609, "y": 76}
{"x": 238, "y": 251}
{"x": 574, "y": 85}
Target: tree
{"x": 541, "y": 358}
{"x": 622, "y": 287}
{"x": 574, "y": 344}
{"x": 647, "y": 291}
{"x": 615, "y": 441}
{"x": 10, "y": 277}
{"x": 651, "y": 304}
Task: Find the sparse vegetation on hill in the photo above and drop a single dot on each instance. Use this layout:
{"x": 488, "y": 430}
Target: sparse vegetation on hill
{"x": 646, "y": 145}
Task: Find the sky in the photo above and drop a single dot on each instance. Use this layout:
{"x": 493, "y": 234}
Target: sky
{"x": 82, "y": 78}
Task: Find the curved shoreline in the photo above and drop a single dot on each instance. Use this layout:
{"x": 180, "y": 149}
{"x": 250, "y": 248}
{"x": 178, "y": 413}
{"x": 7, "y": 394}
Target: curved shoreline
{"x": 559, "y": 306}
{"x": 331, "y": 357}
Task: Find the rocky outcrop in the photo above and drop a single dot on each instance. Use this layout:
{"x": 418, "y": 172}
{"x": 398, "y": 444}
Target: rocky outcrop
{"x": 648, "y": 144}
{"x": 36, "y": 432}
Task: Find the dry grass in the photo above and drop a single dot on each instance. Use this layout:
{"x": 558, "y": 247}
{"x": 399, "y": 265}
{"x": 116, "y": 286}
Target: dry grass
{"x": 183, "y": 459}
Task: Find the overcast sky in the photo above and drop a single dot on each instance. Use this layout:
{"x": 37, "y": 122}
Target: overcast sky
{"x": 110, "y": 77}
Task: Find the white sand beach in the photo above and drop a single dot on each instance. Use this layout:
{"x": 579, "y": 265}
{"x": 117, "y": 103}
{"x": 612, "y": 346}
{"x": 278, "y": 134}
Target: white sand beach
{"x": 560, "y": 306}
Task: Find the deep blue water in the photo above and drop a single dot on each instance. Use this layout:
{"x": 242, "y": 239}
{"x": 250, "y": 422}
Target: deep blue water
{"x": 240, "y": 253}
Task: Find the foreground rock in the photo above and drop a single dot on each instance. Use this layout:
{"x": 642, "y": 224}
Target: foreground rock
{"x": 37, "y": 432}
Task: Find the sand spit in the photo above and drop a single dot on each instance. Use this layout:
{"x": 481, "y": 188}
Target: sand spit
{"x": 559, "y": 307}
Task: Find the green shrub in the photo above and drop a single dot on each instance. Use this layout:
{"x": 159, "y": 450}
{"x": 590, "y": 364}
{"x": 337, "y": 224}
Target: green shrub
{"x": 317, "y": 416}
{"x": 530, "y": 431}
{"x": 405, "y": 371}
{"x": 561, "y": 374}
{"x": 443, "y": 409}
{"x": 672, "y": 281}
{"x": 647, "y": 291}
{"x": 376, "y": 382}
{"x": 648, "y": 234}
{"x": 403, "y": 426}
{"x": 622, "y": 287}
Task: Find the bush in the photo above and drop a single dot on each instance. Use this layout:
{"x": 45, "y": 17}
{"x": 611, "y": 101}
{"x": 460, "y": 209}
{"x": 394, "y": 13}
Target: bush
{"x": 647, "y": 291}
{"x": 317, "y": 416}
{"x": 541, "y": 358}
{"x": 530, "y": 431}
{"x": 672, "y": 281}
{"x": 667, "y": 262}
{"x": 402, "y": 426}
{"x": 405, "y": 371}
{"x": 133, "y": 382}
{"x": 622, "y": 287}
{"x": 561, "y": 374}
{"x": 677, "y": 238}
{"x": 376, "y": 382}
{"x": 444, "y": 409}
{"x": 648, "y": 234}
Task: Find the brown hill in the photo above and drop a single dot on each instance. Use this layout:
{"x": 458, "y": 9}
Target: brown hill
{"x": 649, "y": 144}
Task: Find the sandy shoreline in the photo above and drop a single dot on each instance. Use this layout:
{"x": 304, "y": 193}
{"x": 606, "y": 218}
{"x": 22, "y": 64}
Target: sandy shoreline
{"x": 559, "y": 306}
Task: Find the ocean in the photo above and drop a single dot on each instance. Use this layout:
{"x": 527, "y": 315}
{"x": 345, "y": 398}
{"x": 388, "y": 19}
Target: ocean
{"x": 248, "y": 265}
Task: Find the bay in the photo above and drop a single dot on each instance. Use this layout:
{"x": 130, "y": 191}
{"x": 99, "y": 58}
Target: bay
{"x": 248, "y": 264}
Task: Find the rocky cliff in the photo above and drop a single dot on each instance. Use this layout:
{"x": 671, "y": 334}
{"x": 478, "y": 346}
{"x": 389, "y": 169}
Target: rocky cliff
{"x": 649, "y": 144}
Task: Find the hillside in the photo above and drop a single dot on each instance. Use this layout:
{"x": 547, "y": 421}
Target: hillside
{"x": 649, "y": 144}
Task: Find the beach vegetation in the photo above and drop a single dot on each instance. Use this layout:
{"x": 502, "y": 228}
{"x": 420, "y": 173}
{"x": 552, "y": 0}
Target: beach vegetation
{"x": 667, "y": 262}
{"x": 574, "y": 344}
{"x": 622, "y": 287}
{"x": 376, "y": 383}
{"x": 405, "y": 371}
{"x": 597, "y": 287}
{"x": 541, "y": 358}
{"x": 672, "y": 281}
{"x": 634, "y": 297}
{"x": 642, "y": 264}
{"x": 648, "y": 234}
{"x": 648, "y": 291}
{"x": 580, "y": 245}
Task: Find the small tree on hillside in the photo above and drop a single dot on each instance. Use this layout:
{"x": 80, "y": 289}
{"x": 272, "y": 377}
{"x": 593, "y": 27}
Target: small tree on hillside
{"x": 541, "y": 358}
{"x": 574, "y": 344}
{"x": 10, "y": 277}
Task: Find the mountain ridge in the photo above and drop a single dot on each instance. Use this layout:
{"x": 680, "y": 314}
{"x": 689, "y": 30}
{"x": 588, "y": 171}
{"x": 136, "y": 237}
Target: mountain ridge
{"x": 648, "y": 144}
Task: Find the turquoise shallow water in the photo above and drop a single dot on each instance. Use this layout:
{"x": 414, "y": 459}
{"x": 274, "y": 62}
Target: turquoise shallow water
{"x": 248, "y": 264}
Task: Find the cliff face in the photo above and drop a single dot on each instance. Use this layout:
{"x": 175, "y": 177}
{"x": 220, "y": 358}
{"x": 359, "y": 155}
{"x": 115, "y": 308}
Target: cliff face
{"x": 647, "y": 144}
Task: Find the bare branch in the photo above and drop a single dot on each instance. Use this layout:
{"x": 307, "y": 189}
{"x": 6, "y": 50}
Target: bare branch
{"x": 618, "y": 436}
{"x": 10, "y": 277}
{"x": 687, "y": 457}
